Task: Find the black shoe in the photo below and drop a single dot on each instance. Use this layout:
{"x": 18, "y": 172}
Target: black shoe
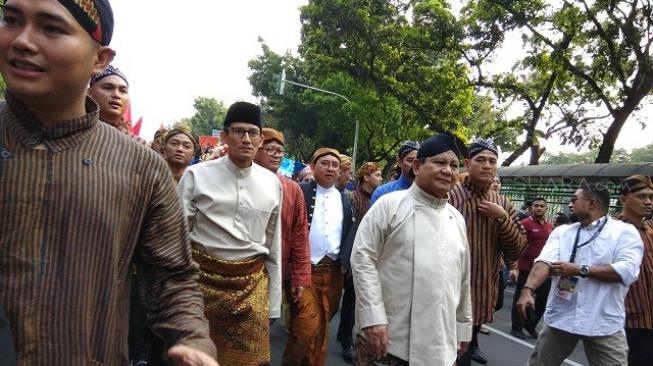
{"x": 517, "y": 333}
{"x": 348, "y": 354}
{"x": 532, "y": 332}
{"x": 478, "y": 356}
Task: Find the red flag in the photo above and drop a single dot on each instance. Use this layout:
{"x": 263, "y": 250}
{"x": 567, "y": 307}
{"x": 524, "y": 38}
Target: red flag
{"x": 127, "y": 116}
{"x": 136, "y": 130}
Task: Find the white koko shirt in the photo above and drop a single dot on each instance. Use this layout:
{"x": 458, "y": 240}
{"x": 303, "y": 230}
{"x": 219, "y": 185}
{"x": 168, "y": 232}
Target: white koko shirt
{"x": 235, "y": 214}
{"x": 596, "y": 308}
{"x": 326, "y": 226}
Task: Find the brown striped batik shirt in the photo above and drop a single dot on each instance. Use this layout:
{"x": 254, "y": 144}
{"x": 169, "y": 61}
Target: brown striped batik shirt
{"x": 80, "y": 203}
{"x": 488, "y": 241}
{"x": 639, "y": 300}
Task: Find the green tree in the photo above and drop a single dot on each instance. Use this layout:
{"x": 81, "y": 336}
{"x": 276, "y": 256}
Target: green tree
{"x": 606, "y": 63}
{"x": 403, "y": 50}
{"x": 642, "y": 154}
{"x": 312, "y": 119}
{"x": 209, "y": 115}
{"x": 3, "y": 86}
{"x": 588, "y": 157}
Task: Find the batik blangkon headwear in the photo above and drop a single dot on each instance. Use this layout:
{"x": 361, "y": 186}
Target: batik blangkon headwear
{"x": 407, "y": 147}
{"x": 95, "y": 16}
{"x": 479, "y": 145}
{"x": 109, "y": 71}
{"x": 324, "y": 151}
{"x": 635, "y": 183}
{"x": 180, "y": 130}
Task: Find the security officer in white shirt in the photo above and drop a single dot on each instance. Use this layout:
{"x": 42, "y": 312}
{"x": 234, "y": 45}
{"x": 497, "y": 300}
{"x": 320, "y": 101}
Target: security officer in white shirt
{"x": 592, "y": 262}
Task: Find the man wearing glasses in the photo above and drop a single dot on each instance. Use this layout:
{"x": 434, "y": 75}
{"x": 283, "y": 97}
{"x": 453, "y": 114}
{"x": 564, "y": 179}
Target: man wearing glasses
{"x": 233, "y": 211}
{"x": 295, "y": 255}
{"x": 591, "y": 263}
{"x": 331, "y": 226}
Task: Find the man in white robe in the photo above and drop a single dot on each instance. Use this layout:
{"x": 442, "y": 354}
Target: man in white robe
{"x": 410, "y": 264}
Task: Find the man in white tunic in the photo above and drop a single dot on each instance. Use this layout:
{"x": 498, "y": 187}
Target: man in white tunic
{"x": 410, "y": 264}
{"x": 233, "y": 209}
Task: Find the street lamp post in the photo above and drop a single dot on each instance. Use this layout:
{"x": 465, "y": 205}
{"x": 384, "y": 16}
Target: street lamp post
{"x": 283, "y": 81}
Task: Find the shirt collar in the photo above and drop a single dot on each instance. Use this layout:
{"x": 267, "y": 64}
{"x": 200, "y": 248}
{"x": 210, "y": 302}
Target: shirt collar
{"x": 425, "y": 198}
{"x": 403, "y": 182}
{"x": 594, "y": 225}
{"x": 240, "y": 172}
{"x": 542, "y": 223}
{"x": 323, "y": 190}
{"x": 475, "y": 190}
{"x": 638, "y": 225}
{"x": 360, "y": 190}
{"x": 31, "y": 131}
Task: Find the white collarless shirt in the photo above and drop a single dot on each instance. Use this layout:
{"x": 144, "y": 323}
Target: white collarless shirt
{"x": 596, "y": 308}
{"x": 326, "y": 226}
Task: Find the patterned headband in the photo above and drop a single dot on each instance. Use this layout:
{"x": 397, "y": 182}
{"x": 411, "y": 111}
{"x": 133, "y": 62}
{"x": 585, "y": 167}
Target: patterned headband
{"x": 110, "y": 70}
{"x": 95, "y": 16}
{"x": 479, "y": 145}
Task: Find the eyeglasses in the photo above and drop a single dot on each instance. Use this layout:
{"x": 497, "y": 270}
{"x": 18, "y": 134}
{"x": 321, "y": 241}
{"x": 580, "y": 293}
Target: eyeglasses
{"x": 574, "y": 199}
{"x": 273, "y": 152}
{"x": 329, "y": 164}
{"x": 240, "y": 132}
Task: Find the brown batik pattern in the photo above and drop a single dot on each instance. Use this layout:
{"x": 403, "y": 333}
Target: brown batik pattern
{"x": 363, "y": 356}
{"x": 237, "y": 307}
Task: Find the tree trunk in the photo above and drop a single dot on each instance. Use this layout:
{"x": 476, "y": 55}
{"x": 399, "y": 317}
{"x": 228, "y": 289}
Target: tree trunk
{"x": 536, "y": 153}
{"x": 517, "y": 153}
{"x": 610, "y": 137}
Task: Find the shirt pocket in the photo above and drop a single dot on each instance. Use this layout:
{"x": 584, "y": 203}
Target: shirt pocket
{"x": 256, "y": 222}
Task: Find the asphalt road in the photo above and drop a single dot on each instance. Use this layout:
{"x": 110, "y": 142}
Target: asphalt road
{"x": 500, "y": 348}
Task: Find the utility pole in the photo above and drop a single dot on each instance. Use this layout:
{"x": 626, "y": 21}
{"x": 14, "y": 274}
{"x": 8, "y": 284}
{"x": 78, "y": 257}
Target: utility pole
{"x": 282, "y": 84}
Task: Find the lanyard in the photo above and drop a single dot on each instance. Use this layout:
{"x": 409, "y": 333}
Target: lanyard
{"x": 572, "y": 258}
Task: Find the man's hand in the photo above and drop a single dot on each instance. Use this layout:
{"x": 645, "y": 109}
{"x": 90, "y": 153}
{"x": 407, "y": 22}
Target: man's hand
{"x": 296, "y": 293}
{"x": 526, "y": 300}
{"x": 181, "y": 355}
{"x": 565, "y": 269}
{"x": 492, "y": 210}
{"x": 377, "y": 338}
{"x": 462, "y": 348}
{"x": 514, "y": 274}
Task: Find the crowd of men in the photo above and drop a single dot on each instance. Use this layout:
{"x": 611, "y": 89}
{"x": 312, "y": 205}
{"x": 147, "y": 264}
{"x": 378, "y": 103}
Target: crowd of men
{"x": 113, "y": 252}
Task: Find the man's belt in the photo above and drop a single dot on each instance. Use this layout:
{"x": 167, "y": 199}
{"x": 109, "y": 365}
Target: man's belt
{"x": 326, "y": 264}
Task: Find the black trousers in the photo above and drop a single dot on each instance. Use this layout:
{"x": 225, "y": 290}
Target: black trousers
{"x": 143, "y": 344}
{"x": 347, "y": 313}
{"x": 541, "y": 294}
{"x": 7, "y": 351}
{"x": 640, "y": 346}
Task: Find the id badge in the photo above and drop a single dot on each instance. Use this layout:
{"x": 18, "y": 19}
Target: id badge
{"x": 566, "y": 287}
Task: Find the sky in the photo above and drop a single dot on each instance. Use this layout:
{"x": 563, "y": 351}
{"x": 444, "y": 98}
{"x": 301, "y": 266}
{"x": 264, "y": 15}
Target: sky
{"x": 176, "y": 51}
{"x": 173, "y": 52}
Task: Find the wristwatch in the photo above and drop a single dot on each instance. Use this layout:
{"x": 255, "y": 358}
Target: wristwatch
{"x": 501, "y": 220}
{"x": 584, "y": 271}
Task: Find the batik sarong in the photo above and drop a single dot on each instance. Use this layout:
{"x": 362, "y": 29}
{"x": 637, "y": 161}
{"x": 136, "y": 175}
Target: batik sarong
{"x": 363, "y": 356}
{"x": 236, "y": 303}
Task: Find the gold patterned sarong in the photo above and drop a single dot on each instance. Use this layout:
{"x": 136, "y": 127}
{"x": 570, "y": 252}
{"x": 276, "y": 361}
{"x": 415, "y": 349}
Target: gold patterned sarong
{"x": 236, "y": 303}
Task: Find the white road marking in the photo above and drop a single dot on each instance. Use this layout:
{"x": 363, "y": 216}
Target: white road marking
{"x": 524, "y": 343}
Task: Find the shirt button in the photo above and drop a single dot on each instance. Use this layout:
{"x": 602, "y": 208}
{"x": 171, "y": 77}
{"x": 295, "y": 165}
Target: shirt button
{"x": 5, "y": 154}
{"x": 87, "y": 161}
{"x": 30, "y": 142}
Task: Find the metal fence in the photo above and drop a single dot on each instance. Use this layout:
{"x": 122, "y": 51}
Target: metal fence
{"x": 557, "y": 183}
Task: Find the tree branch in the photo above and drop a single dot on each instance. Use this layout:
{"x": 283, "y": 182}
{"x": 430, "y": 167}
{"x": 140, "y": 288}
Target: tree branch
{"x": 612, "y": 50}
